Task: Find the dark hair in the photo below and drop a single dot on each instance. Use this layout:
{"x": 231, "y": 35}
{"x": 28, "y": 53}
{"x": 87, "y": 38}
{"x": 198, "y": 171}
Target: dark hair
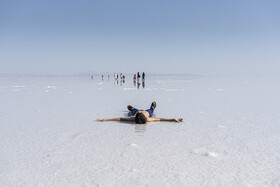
{"x": 140, "y": 118}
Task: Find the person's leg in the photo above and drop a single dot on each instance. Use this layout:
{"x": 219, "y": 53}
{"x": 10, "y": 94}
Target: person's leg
{"x": 132, "y": 110}
{"x": 152, "y": 108}
{"x": 151, "y": 111}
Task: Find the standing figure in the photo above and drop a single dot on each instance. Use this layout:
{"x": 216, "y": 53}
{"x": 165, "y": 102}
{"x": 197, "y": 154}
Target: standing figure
{"x": 143, "y": 76}
{"x": 138, "y": 75}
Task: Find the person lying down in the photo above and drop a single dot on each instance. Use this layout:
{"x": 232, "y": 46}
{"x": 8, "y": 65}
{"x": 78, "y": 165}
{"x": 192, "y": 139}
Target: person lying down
{"x": 142, "y": 116}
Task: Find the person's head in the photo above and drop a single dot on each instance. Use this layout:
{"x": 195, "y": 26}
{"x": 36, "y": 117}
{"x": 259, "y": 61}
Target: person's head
{"x": 140, "y": 118}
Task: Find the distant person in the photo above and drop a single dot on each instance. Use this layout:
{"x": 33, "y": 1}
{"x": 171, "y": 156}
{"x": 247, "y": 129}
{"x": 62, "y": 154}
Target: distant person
{"x": 143, "y": 76}
{"x": 102, "y": 77}
{"x": 142, "y": 116}
{"x": 138, "y": 75}
{"x": 134, "y": 78}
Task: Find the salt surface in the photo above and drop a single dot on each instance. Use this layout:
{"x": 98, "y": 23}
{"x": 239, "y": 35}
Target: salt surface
{"x": 227, "y": 139}
{"x": 52, "y": 87}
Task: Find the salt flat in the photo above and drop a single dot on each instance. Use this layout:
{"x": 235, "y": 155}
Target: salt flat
{"x": 50, "y": 137}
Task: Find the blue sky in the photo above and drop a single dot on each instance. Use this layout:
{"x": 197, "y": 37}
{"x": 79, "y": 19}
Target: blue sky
{"x": 178, "y": 36}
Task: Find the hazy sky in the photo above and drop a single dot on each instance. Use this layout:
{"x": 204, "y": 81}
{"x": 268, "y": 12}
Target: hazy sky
{"x": 176, "y": 36}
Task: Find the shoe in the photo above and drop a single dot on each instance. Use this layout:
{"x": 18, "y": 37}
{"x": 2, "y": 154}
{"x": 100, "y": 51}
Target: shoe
{"x": 153, "y": 105}
{"x": 130, "y": 108}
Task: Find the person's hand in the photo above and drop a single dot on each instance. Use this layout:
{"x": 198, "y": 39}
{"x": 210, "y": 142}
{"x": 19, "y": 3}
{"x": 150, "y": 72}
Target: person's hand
{"x": 179, "y": 120}
{"x": 100, "y": 120}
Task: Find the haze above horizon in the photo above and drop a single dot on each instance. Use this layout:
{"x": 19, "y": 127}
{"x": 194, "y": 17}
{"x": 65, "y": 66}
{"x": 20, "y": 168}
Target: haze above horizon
{"x": 196, "y": 37}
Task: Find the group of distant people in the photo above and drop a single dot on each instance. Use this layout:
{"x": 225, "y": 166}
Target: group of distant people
{"x": 121, "y": 77}
{"x": 136, "y": 79}
{"x": 139, "y": 76}
{"x": 116, "y": 76}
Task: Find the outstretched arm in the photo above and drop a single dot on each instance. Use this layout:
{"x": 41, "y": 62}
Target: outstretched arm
{"x": 164, "y": 119}
{"x": 113, "y": 119}
{"x": 116, "y": 119}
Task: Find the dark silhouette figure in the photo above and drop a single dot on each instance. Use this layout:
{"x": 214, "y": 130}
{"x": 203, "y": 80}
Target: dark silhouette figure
{"x": 138, "y": 75}
{"x": 143, "y": 76}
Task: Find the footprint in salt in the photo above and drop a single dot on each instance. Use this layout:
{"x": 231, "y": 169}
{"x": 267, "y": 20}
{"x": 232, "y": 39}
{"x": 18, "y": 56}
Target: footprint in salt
{"x": 133, "y": 145}
{"x": 203, "y": 152}
{"x": 19, "y": 86}
{"x": 52, "y": 87}
{"x": 221, "y": 126}
{"x": 211, "y": 154}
